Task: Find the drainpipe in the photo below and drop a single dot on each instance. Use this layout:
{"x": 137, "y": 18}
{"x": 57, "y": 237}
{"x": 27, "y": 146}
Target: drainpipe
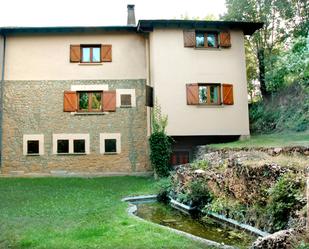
{"x": 1, "y": 99}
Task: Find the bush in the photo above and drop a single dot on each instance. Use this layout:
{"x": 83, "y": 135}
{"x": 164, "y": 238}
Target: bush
{"x": 199, "y": 194}
{"x": 285, "y": 199}
{"x": 164, "y": 186}
{"x": 160, "y": 153}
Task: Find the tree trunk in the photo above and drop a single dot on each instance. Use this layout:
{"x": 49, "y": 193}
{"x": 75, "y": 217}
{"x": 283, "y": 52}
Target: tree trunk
{"x": 261, "y": 61}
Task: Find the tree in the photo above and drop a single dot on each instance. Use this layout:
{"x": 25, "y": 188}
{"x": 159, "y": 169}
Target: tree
{"x": 282, "y": 19}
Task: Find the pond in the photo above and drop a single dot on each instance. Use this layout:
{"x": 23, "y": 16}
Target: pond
{"x": 207, "y": 228}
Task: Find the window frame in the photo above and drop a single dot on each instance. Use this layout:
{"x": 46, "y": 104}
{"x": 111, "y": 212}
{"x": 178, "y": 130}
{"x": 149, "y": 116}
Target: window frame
{"x": 216, "y": 33}
{"x": 106, "y": 136}
{"x": 208, "y": 85}
{"x": 89, "y": 93}
{"x": 33, "y": 137}
{"x": 90, "y": 46}
{"x": 71, "y": 138}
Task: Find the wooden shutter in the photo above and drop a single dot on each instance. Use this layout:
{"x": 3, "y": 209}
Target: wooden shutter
{"x": 109, "y": 101}
{"x": 106, "y": 53}
{"x": 149, "y": 96}
{"x": 192, "y": 94}
{"x": 225, "y": 39}
{"x": 227, "y": 91}
{"x": 189, "y": 38}
{"x": 74, "y": 53}
{"x": 70, "y": 101}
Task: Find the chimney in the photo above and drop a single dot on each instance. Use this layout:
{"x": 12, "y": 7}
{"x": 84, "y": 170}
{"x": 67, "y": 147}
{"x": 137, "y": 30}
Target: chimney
{"x": 131, "y": 15}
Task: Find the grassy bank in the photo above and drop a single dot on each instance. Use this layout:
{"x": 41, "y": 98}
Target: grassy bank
{"x": 269, "y": 140}
{"x": 78, "y": 213}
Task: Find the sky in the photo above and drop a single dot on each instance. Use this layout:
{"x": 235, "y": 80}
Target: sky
{"x": 100, "y": 12}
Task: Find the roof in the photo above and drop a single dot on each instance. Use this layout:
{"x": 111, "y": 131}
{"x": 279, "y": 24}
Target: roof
{"x": 143, "y": 26}
{"x": 69, "y": 29}
{"x": 248, "y": 27}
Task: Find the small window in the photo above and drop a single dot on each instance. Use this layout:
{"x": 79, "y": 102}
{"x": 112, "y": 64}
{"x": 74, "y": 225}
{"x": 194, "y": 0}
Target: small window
{"x": 110, "y": 145}
{"x": 90, "y": 101}
{"x": 125, "y": 100}
{"x": 90, "y": 54}
{"x": 79, "y": 146}
{"x": 62, "y": 146}
{"x": 206, "y": 39}
{"x": 33, "y": 147}
{"x": 209, "y": 94}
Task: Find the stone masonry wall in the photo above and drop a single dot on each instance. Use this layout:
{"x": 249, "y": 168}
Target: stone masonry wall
{"x": 36, "y": 107}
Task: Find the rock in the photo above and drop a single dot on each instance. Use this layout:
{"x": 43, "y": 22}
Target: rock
{"x": 278, "y": 240}
{"x": 277, "y": 150}
{"x": 199, "y": 171}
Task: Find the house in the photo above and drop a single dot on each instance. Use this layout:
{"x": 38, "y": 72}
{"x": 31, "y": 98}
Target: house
{"x": 78, "y": 99}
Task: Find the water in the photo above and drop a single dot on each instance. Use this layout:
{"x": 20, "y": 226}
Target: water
{"x": 206, "y": 228}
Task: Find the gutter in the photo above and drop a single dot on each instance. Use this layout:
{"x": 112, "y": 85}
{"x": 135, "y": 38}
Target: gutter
{"x": 1, "y": 99}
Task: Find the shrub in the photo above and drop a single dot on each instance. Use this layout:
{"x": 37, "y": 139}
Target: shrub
{"x": 200, "y": 164}
{"x": 164, "y": 186}
{"x": 199, "y": 193}
{"x": 285, "y": 199}
{"x": 160, "y": 143}
{"x": 160, "y": 153}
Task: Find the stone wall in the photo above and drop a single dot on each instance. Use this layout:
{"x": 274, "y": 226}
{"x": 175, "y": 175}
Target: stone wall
{"x": 36, "y": 107}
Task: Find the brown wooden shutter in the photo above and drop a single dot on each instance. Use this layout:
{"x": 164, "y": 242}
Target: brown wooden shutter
{"x": 70, "y": 101}
{"x": 106, "y": 53}
{"x": 149, "y": 96}
{"x": 75, "y": 53}
{"x": 109, "y": 101}
{"x": 225, "y": 39}
{"x": 227, "y": 91}
{"x": 189, "y": 38}
{"x": 192, "y": 94}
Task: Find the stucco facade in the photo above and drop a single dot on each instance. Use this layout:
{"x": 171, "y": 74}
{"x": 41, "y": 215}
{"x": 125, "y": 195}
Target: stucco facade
{"x": 173, "y": 66}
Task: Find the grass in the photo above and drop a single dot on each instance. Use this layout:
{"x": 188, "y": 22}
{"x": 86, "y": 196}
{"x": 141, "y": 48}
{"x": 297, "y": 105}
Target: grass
{"x": 58, "y": 213}
{"x": 269, "y": 140}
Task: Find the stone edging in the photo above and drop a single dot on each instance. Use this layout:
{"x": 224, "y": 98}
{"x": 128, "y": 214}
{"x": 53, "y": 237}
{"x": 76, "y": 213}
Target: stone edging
{"x": 133, "y": 208}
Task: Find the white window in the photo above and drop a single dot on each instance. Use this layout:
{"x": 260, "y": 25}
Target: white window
{"x": 125, "y": 98}
{"x": 33, "y": 144}
{"x": 110, "y": 143}
{"x": 71, "y": 144}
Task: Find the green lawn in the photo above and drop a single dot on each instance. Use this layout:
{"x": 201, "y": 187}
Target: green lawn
{"x": 58, "y": 213}
{"x": 269, "y": 140}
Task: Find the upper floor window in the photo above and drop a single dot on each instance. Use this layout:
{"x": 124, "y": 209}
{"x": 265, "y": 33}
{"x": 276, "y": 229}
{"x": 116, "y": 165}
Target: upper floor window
{"x": 206, "y": 39}
{"x": 209, "y": 94}
{"x": 91, "y": 53}
{"x": 90, "y": 101}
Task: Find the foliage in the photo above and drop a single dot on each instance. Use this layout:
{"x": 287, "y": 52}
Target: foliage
{"x": 303, "y": 245}
{"x": 199, "y": 193}
{"x": 160, "y": 152}
{"x": 285, "y": 199}
{"x": 286, "y": 110}
{"x": 164, "y": 187}
{"x": 160, "y": 143}
{"x": 200, "y": 164}
{"x": 283, "y": 20}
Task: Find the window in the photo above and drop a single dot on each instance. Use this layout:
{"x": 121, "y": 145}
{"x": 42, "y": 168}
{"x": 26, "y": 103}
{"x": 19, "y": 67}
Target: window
{"x": 33, "y": 145}
{"x": 125, "y": 99}
{"x": 71, "y": 144}
{"x": 110, "y": 143}
{"x": 62, "y": 146}
{"x": 91, "y": 54}
{"x": 206, "y": 39}
{"x": 79, "y": 146}
{"x": 209, "y": 94}
{"x": 90, "y": 101}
